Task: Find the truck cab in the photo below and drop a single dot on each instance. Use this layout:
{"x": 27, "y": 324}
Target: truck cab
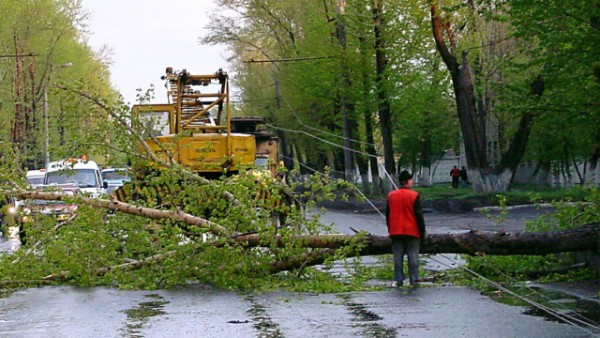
{"x": 85, "y": 175}
{"x": 35, "y": 178}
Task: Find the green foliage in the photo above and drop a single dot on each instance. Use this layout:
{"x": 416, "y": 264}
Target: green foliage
{"x": 568, "y": 215}
{"x": 90, "y": 247}
{"x": 563, "y": 51}
{"x": 52, "y": 55}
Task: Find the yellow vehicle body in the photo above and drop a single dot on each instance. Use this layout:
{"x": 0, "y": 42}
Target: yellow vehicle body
{"x": 195, "y": 128}
{"x": 207, "y": 153}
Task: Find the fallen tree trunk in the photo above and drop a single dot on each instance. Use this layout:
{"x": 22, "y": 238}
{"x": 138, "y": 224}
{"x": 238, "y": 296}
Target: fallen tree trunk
{"x": 320, "y": 247}
{"x": 115, "y": 205}
{"x": 473, "y": 242}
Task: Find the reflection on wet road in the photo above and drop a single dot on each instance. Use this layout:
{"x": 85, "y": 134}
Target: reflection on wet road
{"x": 138, "y": 316}
{"x": 202, "y": 312}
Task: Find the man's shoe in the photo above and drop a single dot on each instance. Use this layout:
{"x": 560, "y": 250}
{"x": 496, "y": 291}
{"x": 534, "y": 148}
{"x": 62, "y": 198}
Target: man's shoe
{"x": 394, "y": 284}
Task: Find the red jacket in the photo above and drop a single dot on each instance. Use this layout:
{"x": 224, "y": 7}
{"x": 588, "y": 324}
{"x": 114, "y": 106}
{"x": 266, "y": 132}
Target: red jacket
{"x": 404, "y": 215}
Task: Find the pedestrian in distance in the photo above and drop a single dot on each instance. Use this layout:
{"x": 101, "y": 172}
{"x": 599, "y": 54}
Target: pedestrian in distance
{"x": 464, "y": 176}
{"x": 406, "y": 228}
{"x": 455, "y": 174}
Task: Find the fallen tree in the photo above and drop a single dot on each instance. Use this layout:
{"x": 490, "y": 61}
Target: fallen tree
{"x": 472, "y": 242}
{"x": 277, "y": 249}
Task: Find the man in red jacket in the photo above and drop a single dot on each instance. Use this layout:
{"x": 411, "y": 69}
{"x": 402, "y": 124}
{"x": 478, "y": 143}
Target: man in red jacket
{"x": 406, "y": 227}
{"x": 455, "y": 174}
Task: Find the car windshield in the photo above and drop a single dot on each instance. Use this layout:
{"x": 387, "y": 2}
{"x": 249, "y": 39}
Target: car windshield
{"x": 42, "y": 202}
{"x": 115, "y": 175}
{"x": 36, "y": 180}
{"x": 81, "y": 177}
{"x": 262, "y": 162}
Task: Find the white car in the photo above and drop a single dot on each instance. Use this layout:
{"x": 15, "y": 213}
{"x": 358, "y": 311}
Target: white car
{"x": 115, "y": 178}
{"x": 35, "y": 178}
{"x": 84, "y": 174}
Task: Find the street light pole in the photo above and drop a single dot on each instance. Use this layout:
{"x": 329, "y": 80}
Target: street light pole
{"x": 46, "y": 129}
{"x": 46, "y": 118}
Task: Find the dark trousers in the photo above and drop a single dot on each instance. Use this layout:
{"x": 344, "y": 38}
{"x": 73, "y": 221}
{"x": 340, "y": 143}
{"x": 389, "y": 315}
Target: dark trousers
{"x": 454, "y": 182}
{"x": 408, "y": 245}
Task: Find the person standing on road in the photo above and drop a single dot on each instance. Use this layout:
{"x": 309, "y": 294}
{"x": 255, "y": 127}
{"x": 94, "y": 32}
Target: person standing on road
{"x": 455, "y": 174}
{"x": 406, "y": 227}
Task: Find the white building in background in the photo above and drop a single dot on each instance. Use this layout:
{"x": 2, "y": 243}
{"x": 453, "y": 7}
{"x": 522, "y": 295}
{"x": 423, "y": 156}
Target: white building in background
{"x": 440, "y": 173}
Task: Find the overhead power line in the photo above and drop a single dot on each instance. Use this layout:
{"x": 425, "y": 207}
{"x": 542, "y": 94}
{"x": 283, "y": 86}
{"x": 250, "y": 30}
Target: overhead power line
{"x": 289, "y": 60}
{"x": 16, "y": 55}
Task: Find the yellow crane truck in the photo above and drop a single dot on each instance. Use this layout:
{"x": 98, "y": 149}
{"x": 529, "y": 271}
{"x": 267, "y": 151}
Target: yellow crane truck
{"x": 197, "y": 130}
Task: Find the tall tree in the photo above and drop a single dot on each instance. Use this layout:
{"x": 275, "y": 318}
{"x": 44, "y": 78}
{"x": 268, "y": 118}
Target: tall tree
{"x": 562, "y": 40}
{"x": 44, "y": 37}
{"x": 474, "y": 103}
{"x": 346, "y": 107}
{"x": 383, "y": 97}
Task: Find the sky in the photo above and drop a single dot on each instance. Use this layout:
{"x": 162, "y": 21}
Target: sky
{"x": 146, "y": 36}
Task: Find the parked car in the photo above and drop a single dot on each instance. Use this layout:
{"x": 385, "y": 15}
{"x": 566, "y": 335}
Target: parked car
{"x": 27, "y": 211}
{"x": 115, "y": 178}
{"x": 84, "y": 174}
{"x": 35, "y": 177}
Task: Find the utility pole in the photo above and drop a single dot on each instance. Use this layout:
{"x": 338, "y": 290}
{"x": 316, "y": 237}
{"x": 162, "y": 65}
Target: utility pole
{"x": 46, "y": 117}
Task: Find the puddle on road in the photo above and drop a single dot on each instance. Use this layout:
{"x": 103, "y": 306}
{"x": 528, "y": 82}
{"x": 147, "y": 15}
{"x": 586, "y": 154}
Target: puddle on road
{"x": 560, "y": 305}
{"x": 138, "y": 316}
{"x": 366, "y": 320}
{"x": 262, "y": 322}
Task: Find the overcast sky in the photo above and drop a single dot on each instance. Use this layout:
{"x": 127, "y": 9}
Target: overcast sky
{"x": 146, "y": 36}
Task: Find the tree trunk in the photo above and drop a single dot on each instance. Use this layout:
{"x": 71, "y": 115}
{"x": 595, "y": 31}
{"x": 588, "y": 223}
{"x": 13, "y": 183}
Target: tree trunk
{"x": 472, "y": 120}
{"x": 348, "y": 122}
{"x": 425, "y": 177}
{"x": 18, "y": 127}
{"x": 474, "y": 242}
{"x": 383, "y": 100}
{"x": 489, "y": 180}
{"x": 363, "y": 169}
{"x": 371, "y": 156}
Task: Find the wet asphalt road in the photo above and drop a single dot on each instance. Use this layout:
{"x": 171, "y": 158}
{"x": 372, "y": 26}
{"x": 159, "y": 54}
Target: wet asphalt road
{"x": 444, "y": 311}
{"x": 422, "y": 312}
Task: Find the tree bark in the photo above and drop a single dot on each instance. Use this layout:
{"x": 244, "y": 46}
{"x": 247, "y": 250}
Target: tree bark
{"x": 113, "y": 204}
{"x": 383, "y": 97}
{"x": 485, "y": 176}
{"x": 346, "y": 107}
{"x": 369, "y": 120}
{"x": 473, "y": 242}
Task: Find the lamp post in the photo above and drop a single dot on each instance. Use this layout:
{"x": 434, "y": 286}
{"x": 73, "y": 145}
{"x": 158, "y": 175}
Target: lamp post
{"x": 46, "y": 118}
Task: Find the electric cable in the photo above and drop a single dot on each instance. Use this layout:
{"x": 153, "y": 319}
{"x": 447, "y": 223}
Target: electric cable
{"x": 590, "y": 322}
{"x": 564, "y": 317}
{"x": 320, "y": 139}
